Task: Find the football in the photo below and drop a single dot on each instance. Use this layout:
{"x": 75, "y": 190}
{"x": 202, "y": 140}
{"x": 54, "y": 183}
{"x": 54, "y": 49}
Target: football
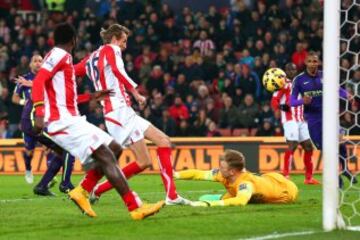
{"x": 274, "y": 79}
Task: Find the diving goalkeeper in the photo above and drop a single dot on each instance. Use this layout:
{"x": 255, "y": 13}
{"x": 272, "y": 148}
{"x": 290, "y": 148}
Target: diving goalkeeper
{"x": 242, "y": 186}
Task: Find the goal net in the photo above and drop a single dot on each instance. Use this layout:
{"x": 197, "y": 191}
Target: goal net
{"x": 341, "y": 192}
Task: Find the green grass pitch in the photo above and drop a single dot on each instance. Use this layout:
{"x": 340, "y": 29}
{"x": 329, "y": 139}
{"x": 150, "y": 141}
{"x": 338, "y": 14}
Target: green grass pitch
{"x": 26, "y": 216}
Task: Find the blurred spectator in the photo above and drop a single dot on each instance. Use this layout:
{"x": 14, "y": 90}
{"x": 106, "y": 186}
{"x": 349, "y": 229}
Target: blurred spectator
{"x": 265, "y": 129}
{"x": 183, "y": 129}
{"x": 229, "y": 114}
{"x": 179, "y": 111}
{"x": 248, "y": 113}
{"x": 212, "y": 130}
{"x": 248, "y": 82}
{"x": 299, "y": 56}
{"x": 200, "y": 124}
{"x": 204, "y": 43}
{"x": 167, "y": 124}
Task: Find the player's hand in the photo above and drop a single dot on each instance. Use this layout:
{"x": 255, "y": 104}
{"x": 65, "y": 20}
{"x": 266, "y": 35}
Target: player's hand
{"x": 140, "y": 99}
{"x": 200, "y": 204}
{"x": 307, "y": 100}
{"x": 23, "y": 82}
{"x": 100, "y": 95}
{"x": 284, "y": 107}
{"x": 39, "y": 124}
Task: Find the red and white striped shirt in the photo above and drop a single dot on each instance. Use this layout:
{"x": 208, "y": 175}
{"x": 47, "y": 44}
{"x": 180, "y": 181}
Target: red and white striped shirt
{"x": 55, "y": 85}
{"x": 282, "y": 96}
{"x": 205, "y": 46}
{"x": 106, "y": 70}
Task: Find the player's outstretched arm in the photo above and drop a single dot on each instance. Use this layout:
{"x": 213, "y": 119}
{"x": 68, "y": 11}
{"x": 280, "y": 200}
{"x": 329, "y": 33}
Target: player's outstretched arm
{"x": 242, "y": 198}
{"x": 194, "y": 174}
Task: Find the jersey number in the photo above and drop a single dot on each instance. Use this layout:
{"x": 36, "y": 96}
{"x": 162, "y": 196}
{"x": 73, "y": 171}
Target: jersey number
{"x": 93, "y": 69}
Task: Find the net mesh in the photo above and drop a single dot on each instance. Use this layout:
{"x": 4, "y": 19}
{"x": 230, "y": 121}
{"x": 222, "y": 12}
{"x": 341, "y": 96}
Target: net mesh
{"x": 349, "y": 151}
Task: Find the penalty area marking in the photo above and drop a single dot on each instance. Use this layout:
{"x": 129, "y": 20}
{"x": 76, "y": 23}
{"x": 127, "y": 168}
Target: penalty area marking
{"x": 279, "y": 235}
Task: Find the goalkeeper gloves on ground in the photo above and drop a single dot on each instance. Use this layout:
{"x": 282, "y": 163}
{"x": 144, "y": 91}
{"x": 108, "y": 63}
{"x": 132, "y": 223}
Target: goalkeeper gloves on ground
{"x": 200, "y": 204}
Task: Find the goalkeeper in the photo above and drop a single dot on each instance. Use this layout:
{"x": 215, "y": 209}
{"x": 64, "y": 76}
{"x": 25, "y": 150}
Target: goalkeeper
{"x": 242, "y": 186}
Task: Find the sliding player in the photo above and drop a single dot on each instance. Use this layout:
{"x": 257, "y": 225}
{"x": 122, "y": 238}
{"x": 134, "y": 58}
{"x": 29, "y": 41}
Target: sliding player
{"x": 295, "y": 128}
{"x": 242, "y": 186}
{"x": 105, "y": 68}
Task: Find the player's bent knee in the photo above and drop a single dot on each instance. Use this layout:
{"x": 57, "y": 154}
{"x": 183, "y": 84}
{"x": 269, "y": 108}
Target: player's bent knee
{"x": 104, "y": 155}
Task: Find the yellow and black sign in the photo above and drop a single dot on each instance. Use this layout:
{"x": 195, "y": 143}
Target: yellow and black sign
{"x": 263, "y": 154}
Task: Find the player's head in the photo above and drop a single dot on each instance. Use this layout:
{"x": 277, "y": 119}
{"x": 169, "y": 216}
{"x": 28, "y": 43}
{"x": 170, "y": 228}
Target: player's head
{"x": 35, "y": 63}
{"x": 312, "y": 62}
{"x": 115, "y": 34}
{"x": 231, "y": 163}
{"x": 290, "y": 70}
{"x": 65, "y": 35}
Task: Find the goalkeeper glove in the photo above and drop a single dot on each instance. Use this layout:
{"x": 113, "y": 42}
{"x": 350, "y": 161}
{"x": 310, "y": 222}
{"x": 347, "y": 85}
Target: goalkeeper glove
{"x": 200, "y": 204}
{"x": 284, "y": 107}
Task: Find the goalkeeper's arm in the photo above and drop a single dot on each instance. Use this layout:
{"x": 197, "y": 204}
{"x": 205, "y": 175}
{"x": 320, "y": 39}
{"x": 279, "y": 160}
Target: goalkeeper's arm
{"x": 194, "y": 174}
{"x": 242, "y": 198}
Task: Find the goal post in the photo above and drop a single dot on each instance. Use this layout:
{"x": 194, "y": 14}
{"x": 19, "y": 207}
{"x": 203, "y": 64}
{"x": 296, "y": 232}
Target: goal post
{"x": 331, "y": 215}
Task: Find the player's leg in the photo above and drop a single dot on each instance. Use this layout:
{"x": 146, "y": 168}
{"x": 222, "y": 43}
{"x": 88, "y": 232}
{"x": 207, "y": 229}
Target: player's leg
{"x": 87, "y": 142}
{"x": 143, "y": 161}
{"x": 30, "y": 143}
{"x": 288, "y": 157}
{"x": 291, "y": 133}
{"x": 162, "y": 141}
{"x": 307, "y": 145}
{"x": 68, "y": 165}
{"x": 42, "y": 188}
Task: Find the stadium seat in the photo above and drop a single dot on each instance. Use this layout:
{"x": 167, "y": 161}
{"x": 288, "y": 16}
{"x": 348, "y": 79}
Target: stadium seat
{"x": 225, "y": 132}
{"x": 240, "y": 132}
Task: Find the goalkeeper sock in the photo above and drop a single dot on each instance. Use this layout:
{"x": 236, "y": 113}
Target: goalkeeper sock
{"x": 287, "y": 162}
{"x": 90, "y": 180}
{"x": 308, "y": 165}
{"x": 164, "y": 155}
{"x": 129, "y": 170}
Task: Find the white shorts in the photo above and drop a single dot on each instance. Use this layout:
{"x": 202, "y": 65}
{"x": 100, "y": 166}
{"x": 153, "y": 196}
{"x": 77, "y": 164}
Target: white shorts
{"x": 296, "y": 131}
{"x": 125, "y": 126}
{"x": 79, "y": 137}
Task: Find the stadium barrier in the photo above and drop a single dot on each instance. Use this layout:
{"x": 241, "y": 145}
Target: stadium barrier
{"x": 263, "y": 154}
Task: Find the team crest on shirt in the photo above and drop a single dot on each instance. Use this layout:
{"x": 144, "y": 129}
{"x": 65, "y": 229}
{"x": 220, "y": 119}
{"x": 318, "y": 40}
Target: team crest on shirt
{"x": 137, "y": 133}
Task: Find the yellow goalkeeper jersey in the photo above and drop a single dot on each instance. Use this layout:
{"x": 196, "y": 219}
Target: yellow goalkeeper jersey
{"x": 248, "y": 187}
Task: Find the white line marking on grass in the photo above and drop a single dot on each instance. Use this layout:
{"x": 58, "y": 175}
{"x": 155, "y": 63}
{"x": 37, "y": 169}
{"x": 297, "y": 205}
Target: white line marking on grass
{"x": 279, "y": 235}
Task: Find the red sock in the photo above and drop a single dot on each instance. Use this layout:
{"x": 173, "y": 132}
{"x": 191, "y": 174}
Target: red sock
{"x": 287, "y": 162}
{"x": 132, "y": 200}
{"x": 308, "y": 165}
{"x": 164, "y": 154}
{"x": 129, "y": 170}
{"x": 90, "y": 180}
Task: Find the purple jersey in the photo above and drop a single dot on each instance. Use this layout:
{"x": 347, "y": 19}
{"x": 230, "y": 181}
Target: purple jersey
{"x": 22, "y": 91}
{"x": 307, "y": 85}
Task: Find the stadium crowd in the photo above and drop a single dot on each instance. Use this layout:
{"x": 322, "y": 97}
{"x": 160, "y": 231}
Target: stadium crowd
{"x": 201, "y": 71}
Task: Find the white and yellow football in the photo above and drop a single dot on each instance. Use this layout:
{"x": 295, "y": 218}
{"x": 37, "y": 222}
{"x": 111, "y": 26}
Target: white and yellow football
{"x": 274, "y": 79}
